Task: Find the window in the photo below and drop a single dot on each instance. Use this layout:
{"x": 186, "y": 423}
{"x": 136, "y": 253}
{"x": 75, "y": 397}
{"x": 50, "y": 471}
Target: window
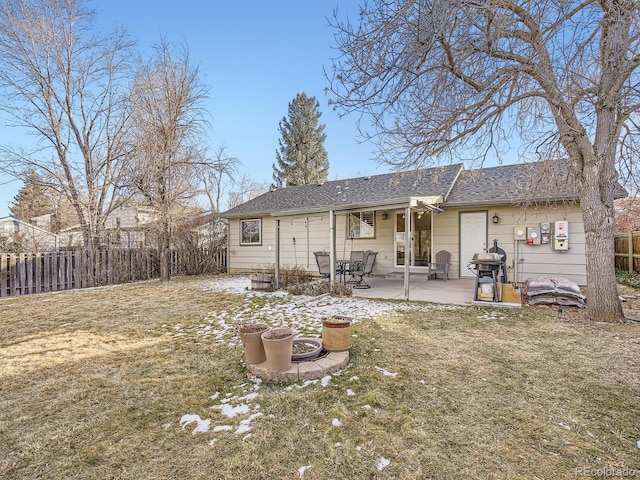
{"x": 250, "y": 232}
{"x": 361, "y": 224}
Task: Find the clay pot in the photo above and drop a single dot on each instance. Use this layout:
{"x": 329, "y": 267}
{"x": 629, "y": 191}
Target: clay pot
{"x": 251, "y": 336}
{"x": 278, "y": 347}
{"x": 336, "y": 333}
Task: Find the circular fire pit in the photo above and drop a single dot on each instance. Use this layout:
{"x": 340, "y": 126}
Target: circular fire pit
{"x": 317, "y": 363}
{"x": 306, "y": 349}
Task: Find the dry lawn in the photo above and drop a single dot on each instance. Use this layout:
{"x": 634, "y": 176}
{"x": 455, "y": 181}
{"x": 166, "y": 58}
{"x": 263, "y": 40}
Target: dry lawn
{"x": 93, "y": 385}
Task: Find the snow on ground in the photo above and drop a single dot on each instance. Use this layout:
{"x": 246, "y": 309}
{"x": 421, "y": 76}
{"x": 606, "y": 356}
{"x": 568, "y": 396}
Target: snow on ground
{"x": 303, "y": 314}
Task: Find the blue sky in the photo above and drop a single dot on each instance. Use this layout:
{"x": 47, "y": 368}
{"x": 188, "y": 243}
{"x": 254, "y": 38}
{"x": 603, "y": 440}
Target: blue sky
{"x": 255, "y": 57}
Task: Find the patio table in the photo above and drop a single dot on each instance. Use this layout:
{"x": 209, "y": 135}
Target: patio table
{"x": 342, "y": 268}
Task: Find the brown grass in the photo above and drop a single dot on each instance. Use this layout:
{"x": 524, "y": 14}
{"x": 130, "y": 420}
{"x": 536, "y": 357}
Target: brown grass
{"x": 93, "y": 385}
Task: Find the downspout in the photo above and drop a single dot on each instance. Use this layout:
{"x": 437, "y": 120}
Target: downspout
{"x": 407, "y": 250}
{"x": 277, "y": 273}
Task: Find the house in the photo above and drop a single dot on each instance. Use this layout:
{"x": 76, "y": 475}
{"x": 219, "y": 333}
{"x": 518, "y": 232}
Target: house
{"x": 206, "y": 229}
{"x": 29, "y": 237}
{"x": 530, "y": 210}
{"x": 128, "y": 226}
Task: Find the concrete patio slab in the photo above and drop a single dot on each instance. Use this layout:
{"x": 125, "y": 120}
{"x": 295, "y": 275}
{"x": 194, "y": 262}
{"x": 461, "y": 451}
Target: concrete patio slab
{"x": 452, "y": 292}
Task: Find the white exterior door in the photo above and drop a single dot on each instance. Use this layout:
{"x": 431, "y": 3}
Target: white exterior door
{"x": 473, "y": 238}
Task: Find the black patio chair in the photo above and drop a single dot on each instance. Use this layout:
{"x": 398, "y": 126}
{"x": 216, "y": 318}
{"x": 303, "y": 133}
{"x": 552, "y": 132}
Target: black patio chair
{"x": 360, "y": 269}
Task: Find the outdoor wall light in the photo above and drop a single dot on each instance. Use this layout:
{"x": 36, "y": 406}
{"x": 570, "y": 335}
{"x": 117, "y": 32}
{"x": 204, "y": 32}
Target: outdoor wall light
{"x": 496, "y": 218}
{"x": 384, "y": 216}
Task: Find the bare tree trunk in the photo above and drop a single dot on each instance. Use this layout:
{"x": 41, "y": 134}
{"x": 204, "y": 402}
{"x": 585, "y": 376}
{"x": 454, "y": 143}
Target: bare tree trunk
{"x": 164, "y": 248}
{"x": 597, "y": 186}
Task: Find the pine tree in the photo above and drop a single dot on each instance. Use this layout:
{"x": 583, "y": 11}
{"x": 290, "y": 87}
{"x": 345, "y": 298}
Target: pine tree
{"x": 302, "y": 158}
{"x": 32, "y": 199}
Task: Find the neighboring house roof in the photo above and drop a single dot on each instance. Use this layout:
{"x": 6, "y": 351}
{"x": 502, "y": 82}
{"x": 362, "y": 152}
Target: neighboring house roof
{"x": 16, "y": 226}
{"x": 533, "y": 182}
{"x": 362, "y": 192}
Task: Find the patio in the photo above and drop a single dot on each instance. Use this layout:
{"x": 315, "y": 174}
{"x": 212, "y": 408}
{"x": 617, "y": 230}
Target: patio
{"x": 453, "y": 292}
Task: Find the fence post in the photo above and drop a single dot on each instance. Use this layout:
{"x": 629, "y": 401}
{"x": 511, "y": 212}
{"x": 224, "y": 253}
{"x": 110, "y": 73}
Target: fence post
{"x": 630, "y": 251}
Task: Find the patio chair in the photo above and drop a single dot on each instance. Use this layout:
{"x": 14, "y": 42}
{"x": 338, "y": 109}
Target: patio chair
{"x": 324, "y": 263}
{"x": 360, "y": 269}
{"x": 441, "y": 265}
{"x": 356, "y": 256}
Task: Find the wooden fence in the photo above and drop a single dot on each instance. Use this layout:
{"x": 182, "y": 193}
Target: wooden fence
{"x": 26, "y": 273}
{"x": 627, "y": 251}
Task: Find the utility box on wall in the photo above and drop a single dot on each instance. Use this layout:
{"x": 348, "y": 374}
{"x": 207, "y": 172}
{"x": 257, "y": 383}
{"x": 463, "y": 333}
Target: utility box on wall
{"x": 561, "y": 235}
{"x": 545, "y": 233}
{"x": 533, "y": 235}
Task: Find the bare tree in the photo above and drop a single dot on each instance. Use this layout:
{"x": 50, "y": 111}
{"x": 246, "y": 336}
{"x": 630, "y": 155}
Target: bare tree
{"x": 169, "y": 122}
{"x": 216, "y": 177}
{"x": 69, "y": 88}
{"x": 458, "y": 78}
{"x": 244, "y": 189}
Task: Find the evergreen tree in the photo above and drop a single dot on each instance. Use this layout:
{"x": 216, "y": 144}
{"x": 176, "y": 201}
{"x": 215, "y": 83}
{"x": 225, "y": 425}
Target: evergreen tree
{"x": 302, "y": 157}
{"x": 32, "y": 199}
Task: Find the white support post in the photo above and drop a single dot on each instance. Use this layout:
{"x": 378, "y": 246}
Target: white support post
{"x": 407, "y": 250}
{"x": 332, "y": 245}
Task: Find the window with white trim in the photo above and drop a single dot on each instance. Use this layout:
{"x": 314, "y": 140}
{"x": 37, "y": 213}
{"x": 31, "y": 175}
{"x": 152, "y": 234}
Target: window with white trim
{"x": 361, "y": 224}
{"x": 251, "y": 231}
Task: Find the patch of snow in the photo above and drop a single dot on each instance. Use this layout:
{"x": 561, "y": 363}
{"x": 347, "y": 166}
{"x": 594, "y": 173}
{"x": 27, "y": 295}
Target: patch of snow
{"x": 383, "y": 463}
{"x": 245, "y": 425}
{"x": 324, "y": 381}
{"x": 336, "y": 423}
{"x": 202, "y": 426}
{"x": 354, "y": 378}
{"x": 350, "y": 393}
{"x": 303, "y": 469}
{"x": 222, "y": 428}
{"x": 385, "y": 372}
{"x": 231, "y": 411}
{"x": 214, "y": 396}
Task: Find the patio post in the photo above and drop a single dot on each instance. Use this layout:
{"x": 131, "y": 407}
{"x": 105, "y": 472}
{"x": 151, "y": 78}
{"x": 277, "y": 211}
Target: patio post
{"x": 332, "y": 245}
{"x": 407, "y": 250}
{"x": 277, "y": 272}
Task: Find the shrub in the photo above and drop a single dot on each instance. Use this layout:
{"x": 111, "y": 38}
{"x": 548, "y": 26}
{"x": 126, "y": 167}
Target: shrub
{"x": 289, "y": 276}
{"x": 320, "y": 287}
{"x": 630, "y": 279}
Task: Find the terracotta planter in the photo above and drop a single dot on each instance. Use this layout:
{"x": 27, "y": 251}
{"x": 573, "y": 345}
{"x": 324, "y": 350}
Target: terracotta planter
{"x": 251, "y": 336}
{"x": 278, "y": 347}
{"x": 336, "y": 333}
